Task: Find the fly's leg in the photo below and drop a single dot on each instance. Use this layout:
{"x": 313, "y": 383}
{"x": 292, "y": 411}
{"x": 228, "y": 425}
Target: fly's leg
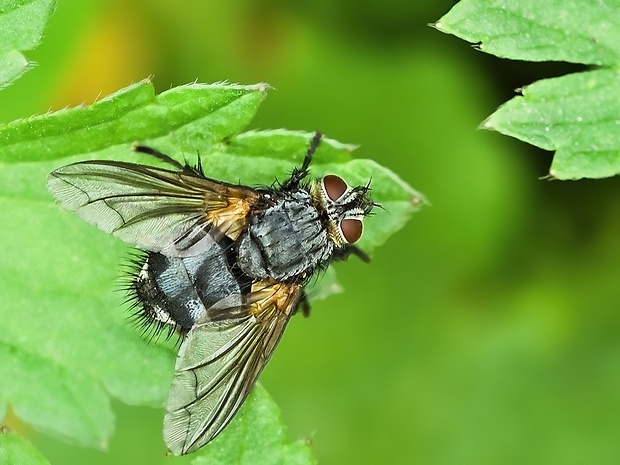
{"x": 157, "y": 154}
{"x": 299, "y": 173}
{"x": 171, "y": 161}
{"x": 348, "y": 250}
{"x": 304, "y": 304}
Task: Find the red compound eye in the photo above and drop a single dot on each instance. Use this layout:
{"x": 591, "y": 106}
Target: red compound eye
{"x": 351, "y": 229}
{"x": 334, "y": 186}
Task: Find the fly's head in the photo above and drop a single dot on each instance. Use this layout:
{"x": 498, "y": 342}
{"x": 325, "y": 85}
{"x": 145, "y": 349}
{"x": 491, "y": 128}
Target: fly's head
{"x": 344, "y": 208}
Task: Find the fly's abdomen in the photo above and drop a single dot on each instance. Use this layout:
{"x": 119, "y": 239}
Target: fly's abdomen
{"x": 286, "y": 240}
{"x": 179, "y": 291}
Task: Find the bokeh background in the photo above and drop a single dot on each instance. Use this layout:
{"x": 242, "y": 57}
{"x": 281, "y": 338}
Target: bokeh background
{"x": 487, "y": 331}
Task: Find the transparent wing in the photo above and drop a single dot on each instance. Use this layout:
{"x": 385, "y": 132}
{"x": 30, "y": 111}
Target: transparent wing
{"x": 175, "y": 213}
{"x": 219, "y": 362}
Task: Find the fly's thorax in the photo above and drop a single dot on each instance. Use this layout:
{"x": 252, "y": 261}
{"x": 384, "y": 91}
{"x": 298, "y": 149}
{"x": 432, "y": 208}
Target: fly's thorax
{"x": 287, "y": 240}
{"x": 343, "y": 208}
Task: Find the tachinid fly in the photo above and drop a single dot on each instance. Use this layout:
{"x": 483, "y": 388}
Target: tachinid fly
{"x": 224, "y": 266}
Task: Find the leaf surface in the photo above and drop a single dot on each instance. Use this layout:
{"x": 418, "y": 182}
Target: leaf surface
{"x": 65, "y": 341}
{"x": 21, "y": 27}
{"x": 578, "y": 115}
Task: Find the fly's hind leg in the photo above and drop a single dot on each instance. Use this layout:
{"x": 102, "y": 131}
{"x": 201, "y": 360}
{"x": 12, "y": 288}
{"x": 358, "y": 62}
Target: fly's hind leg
{"x": 186, "y": 168}
{"x": 157, "y": 154}
{"x": 304, "y": 304}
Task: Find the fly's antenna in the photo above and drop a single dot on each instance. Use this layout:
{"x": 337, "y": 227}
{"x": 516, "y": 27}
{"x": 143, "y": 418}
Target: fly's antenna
{"x": 299, "y": 173}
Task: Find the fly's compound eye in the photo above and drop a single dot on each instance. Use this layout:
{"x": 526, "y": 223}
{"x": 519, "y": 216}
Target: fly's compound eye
{"x": 334, "y": 186}
{"x": 351, "y": 229}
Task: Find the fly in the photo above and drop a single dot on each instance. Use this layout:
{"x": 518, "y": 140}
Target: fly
{"x": 224, "y": 266}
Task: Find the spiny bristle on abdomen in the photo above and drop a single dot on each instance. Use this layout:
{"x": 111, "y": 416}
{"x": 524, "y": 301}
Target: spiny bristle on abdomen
{"x": 143, "y": 295}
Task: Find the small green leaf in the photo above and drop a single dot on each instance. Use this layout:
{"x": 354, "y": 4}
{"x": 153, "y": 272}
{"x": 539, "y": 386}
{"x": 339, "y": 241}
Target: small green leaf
{"x": 560, "y": 30}
{"x": 578, "y": 115}
{"x": 256, "y": 436}
{"x": 397, "y": 199}
{"x": 16, "y": 450}
{"x": 58, "y": 272}
{"x": 212, "y": 112}
{"x": 21, "y": 28}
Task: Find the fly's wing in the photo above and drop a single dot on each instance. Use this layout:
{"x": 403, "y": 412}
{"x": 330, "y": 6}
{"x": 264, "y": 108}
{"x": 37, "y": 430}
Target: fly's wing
{"x": 219, "y": 362}
{"x": 174, "y": 213}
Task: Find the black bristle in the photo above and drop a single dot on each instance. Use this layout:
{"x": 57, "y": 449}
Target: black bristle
{"x": 141, "y": 317}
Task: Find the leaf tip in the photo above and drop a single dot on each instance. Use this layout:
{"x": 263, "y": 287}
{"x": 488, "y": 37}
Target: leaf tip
{"x": 436, "y": 25}
{"x": 104, "y": 445}
{"x": 350, "y": 148}
{"x": 487, "y": 124}
{"x": 263, "y": 87}
{"x": 418, "y": 200}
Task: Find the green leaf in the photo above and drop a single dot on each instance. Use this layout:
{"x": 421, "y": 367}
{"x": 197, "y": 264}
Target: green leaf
{"x": 577, "y": 115}
{"x": 69, "y": 400}
{"x": 135, "y": 114}
{"x": 21, "y": 28}
{"x": 58, "y": 273}
{"x": 16, "y": 450}
{"x": 560, "y": 30}
{"x": 256, "y": 436}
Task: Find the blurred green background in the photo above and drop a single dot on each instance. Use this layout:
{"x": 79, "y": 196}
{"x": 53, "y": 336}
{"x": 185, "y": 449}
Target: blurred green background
{"x": 487, "y": 330}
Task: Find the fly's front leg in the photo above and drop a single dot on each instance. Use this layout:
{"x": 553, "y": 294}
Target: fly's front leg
{"x": 348, "y": 250}
{"x": 299, "y": 173}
